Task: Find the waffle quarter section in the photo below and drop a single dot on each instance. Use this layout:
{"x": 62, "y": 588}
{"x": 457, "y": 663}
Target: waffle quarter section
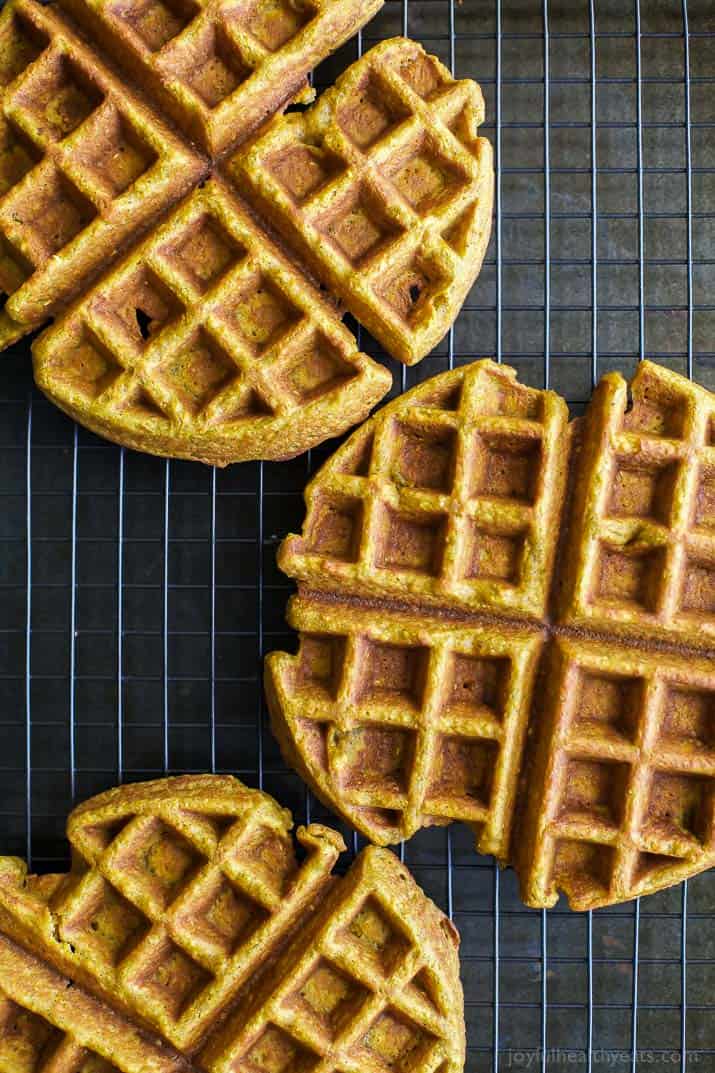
{"x": 400, "y": 721}
{"x": 207, "y": 343}
{"x": 220, "y": 68}
{"x": 85, "y": 165}
{"x": 386, "y": 189}
{"x": 445, "y": 498}
{"x": 621, "y": 793}
{"x": 642, "y": 553}
{"x": 372, "y": 984}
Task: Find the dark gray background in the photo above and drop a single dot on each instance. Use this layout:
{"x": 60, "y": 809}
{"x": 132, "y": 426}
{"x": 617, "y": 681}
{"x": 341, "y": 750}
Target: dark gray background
{"x": 137, "y": 597}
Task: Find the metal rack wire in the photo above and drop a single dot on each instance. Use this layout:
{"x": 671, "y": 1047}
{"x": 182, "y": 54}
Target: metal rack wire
{"x": 138, "y": 596}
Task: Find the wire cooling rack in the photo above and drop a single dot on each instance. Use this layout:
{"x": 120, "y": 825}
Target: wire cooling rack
{"x": 138, "y": 597}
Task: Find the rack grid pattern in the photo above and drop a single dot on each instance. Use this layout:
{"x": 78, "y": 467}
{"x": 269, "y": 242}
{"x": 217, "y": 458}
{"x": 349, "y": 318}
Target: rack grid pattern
{"x": 137, "y": 597}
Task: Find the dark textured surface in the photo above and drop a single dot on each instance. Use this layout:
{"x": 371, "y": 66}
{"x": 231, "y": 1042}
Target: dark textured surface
{"x": 169, "y": 588}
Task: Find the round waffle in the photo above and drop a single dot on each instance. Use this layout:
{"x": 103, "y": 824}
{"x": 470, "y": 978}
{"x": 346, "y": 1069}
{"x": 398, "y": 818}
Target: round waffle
{"x": 440, "y": 632}
{"x": 209, "y": 340}
{"x": 187, "y": 914}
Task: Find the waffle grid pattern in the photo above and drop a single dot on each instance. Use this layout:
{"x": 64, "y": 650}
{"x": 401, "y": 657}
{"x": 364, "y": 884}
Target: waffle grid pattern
{"x": 362, "y": 997}
{"x": 631, "y": 788}
{"x": 205, "y": 331}
{"x": 408, "y": 726}
{"x": 386, "y": 187}
{"x": 177, "y": 910}
{"x": 647, "y": 561}
{"x": 632, "y": 458}
{"x": 220, "y": 68}
{"x": 188, "y": 892}
{"x": 83, "y": 165}
{"x": 446, "y": 498}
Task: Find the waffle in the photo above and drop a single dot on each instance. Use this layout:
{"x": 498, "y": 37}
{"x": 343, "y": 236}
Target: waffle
{"x": 386, "y": 190}
{"x": 642, "y": 556}
{"x": 220, "y": 69}
{"x": 371, "y": 984}
{"x": 48, "y": 1026}
{"x": 388, "y": 200}
{"x": 572, "y": 732}
{"x": 428, "y": 718}
{"x": 621, "y": 789}
{"x": 187, "y": 913}
{"x": 84, "y": 165}
{"x": 207, "y": 343}
{"x": 443, "y": 499}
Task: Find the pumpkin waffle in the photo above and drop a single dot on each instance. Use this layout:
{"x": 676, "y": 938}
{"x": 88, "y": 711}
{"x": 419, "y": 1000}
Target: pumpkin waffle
{"x": 572, "y": 732}
{"x": 642, "y": 554}
{"x": 425, "y": 716}
{"x": 221, "y": 69}
{"x": 47, "y": 1025}
{"x": 622, "y": 786}
{"x": 207, "y": 343}
{"x": 385, "y": 188}
{"x": 187, "y": 913}
{"x": 443, "y": 499}
{"x": 84, "y": 165}
{"x": 216, "y": 348}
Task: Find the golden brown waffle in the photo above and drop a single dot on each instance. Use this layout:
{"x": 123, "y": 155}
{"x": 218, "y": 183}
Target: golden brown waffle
{"x": 221, "y": 69}
{"x": 386, "y": 190}
{"x": 87, "y": 166}
{"x": 207, "y": 343}
{"x": 84, "y": 165}
{"x": 443, "y": 499}
{"x": 365, "y": 988}
{"x": 186, "y": 909}
{"x": 642, "y": 551}
{"x": 622, "y": 786}
{"x": 405, "y": 706}
{"x": 49, "y": 1026}
{"x": 401, "y": 721}
{"x": 162, "y": 355}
